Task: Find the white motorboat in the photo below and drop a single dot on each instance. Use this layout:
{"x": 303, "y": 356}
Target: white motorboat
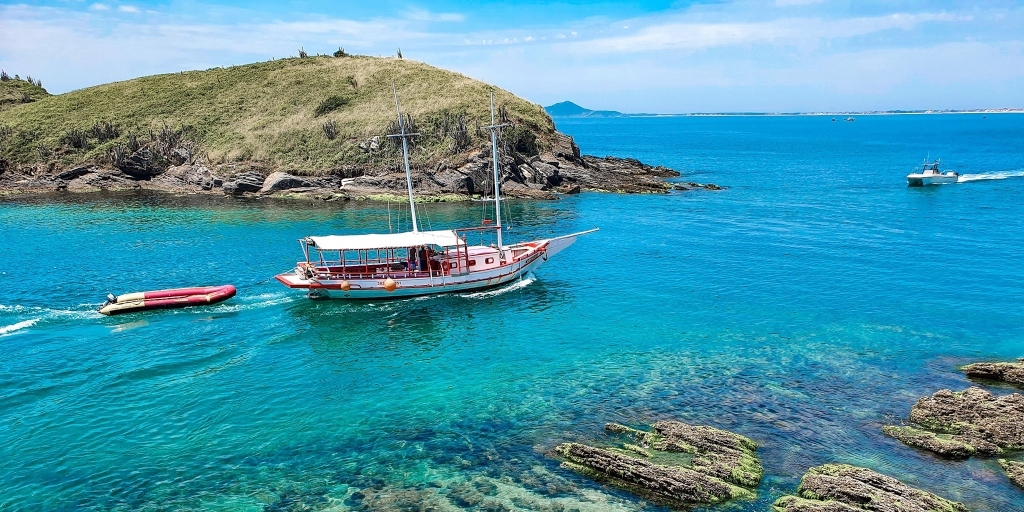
{"x": 415, "y": 263}
{"x": 931, "y": 175}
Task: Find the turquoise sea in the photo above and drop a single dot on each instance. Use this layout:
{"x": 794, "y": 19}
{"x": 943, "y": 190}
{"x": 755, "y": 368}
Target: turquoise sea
{"x": 811, "y": 302}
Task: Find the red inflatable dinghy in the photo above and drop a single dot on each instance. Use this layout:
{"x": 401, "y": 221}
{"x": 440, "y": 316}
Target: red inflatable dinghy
{"x": 164, "y": 299}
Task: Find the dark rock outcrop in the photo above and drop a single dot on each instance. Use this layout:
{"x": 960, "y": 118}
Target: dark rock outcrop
{"x": 844, "y": 488}
{"x": 282, "y": 181}
{"x": 94, "y": 179}
{"x": 675, "y": 464}
{"x": 76, "y": 172}
{"x": 245, "y": 182}
{"x": 694, "y": 185}
{"x": 970, "y": 419}
{"x": 1014, "y": 470}
{"x": 141, "y": 165}
{"x": 1012, "y": 373}
{"x": 616, "y": 175}
{"x": 176, "y": 166}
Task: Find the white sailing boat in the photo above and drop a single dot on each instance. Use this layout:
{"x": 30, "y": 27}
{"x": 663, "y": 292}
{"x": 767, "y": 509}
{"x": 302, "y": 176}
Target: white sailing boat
{"x": 415, "y": 263}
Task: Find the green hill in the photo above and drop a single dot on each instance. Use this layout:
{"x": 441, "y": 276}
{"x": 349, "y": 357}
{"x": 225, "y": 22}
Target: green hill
{"x": 279, "y": 114}
{"x": 15, "y": 91}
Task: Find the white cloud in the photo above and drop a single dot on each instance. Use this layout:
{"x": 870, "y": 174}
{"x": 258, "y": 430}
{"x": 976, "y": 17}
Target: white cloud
{"x": 425, "y": 15}
{"x": 794, "y": 31}
{"x": 128, "y": 8}
{"x": 99, "y": 7}
{"x": 712, "y": 57}
{"x": 70, "y": 50}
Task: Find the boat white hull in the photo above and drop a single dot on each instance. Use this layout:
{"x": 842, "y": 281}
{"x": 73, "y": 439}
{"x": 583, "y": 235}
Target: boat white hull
{"x": 372, "y": 288}
{"x": 917, "y": 180}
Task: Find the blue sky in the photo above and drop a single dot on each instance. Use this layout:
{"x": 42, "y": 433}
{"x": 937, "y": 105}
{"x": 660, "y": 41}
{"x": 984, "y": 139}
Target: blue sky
{"x": 659, "y": 56}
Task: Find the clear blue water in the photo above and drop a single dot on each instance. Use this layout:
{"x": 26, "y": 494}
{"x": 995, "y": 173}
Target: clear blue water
{"x": 805, "y": 306}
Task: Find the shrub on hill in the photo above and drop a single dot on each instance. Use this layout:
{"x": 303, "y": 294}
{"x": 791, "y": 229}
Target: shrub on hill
{"x": 330, "y": 104}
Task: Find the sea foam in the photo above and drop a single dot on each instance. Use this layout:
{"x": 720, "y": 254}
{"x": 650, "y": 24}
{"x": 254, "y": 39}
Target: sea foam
{"x": 10, "y": 329}
{"x": 998, "y": 175}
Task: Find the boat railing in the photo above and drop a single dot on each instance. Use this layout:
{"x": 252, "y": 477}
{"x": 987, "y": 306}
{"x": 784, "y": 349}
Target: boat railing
{"x": 336, "y": 270}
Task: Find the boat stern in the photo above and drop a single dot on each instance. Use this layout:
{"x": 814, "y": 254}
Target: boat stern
{"x": 293, "y": 280}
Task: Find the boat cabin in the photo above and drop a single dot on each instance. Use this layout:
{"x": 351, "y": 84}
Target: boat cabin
{"x": 396, "y": 255}
{"x": 931, "y": 169}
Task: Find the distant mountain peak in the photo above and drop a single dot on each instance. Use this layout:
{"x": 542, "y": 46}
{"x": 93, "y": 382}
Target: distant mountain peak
{"x": 570, "y": 109}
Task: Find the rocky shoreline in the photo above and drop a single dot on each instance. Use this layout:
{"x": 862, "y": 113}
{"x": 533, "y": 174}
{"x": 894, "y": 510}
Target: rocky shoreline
{"x": 685, "y": 466}
{"x": 562, "y": 170}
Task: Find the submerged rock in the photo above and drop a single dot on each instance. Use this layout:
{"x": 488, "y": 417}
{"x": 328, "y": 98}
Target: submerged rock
{"x": 395, "y": 499}
{"x": 970, "y": 419}
{"x": 1006, "y": 372}
{"x": 1014, "y": 470}
{"x": 676, "y": 464}
{"x": 845, "y": 488}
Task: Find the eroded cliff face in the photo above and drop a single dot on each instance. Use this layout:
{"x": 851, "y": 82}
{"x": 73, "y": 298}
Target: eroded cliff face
{"x": 559, "y": 168}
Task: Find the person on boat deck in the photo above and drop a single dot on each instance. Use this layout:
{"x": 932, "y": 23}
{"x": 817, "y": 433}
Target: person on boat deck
{"x": 411, "y": 265}
{"x": 424, "y": 254}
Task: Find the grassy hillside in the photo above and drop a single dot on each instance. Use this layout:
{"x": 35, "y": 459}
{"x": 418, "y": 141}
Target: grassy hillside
{"x": 16, "y": 91}
{"x": 272, "y": 113}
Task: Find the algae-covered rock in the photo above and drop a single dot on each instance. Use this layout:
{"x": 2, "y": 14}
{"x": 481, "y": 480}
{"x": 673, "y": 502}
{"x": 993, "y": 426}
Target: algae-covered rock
{"x": 972, "y": 417}
{"x": 942, "y": 444}
{"x": 676, "y": 464}
{"x": 1014, "y": 470}
{"x": 718, "y": 453}
{"x": 845, "y": 488}
{"x": 798, "y": 504}
{"x": 1006, "y": 372}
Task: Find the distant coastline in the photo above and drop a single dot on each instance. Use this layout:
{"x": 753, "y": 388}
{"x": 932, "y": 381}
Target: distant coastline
{"x": 568, "y": 109}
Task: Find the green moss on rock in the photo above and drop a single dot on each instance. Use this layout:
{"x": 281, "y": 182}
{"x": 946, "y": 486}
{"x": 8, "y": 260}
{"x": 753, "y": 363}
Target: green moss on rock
{"x": 942, "y": 444}
{"x": 675, "y": 464}
{"x": 1014, "y": 470}
{"x": 845, "y": 488}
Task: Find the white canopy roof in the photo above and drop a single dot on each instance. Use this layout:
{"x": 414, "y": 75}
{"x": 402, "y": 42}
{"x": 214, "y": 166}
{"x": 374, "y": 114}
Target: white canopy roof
{"x": 385, "y": 241}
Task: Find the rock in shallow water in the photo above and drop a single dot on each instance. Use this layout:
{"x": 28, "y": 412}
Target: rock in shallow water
{"x": 844, "y": 488}
{"x": 973, "y": 417}
{"x": 675, "y": 464}
{"x": 1006, "y": 372}
{"x": 942, "y": 444}
{"x": 1014, "y": 470}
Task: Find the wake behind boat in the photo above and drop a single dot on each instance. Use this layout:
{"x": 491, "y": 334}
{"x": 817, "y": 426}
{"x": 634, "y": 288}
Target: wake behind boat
{"x": 931, "y": 175}
{"x": 416, "y": 263}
